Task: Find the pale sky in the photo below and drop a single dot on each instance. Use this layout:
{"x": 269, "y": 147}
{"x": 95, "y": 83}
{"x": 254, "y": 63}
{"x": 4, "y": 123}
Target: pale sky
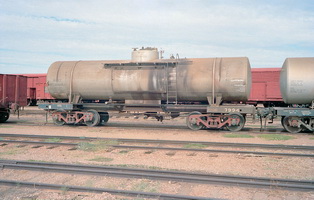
{"x": 35, "y": 33}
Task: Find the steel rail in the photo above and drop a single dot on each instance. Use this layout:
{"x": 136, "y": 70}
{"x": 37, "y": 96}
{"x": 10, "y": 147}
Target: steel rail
{"x": 215, "y": 151}
{"x": 39, "y": 142}
{"x": 101, "y": 190}
{"x": 164, "y": 148}
{"x": 250, "y": 145}
{"x": 157, "y": 127}
{"x": 160, "y": 175}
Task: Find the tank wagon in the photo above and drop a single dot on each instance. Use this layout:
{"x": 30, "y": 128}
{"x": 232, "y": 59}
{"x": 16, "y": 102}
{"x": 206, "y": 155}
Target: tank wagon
{"x": 297, "y": 90}
{"x": 12, "y": 94}
{"x": 208, "y": 91}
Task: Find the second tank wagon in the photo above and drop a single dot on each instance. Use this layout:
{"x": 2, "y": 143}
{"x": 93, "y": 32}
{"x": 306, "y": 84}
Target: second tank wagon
{"x": 297, "y": 89}
{"x": 297, "y": 80}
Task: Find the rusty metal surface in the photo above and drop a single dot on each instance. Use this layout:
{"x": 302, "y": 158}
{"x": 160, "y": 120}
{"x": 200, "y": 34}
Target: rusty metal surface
{"x": 297, "y": 80}
{"x": 195, "y": 79}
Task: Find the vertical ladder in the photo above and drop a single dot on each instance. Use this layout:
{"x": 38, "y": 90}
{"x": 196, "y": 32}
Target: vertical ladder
{"x": 172, "y": 93}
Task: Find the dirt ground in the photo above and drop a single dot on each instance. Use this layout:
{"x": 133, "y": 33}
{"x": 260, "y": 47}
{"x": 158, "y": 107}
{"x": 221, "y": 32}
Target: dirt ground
{"x": 215, "y": 163}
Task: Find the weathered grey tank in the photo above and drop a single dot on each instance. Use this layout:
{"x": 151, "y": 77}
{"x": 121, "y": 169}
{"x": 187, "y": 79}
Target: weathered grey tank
{"x": 146, "y": 77}
{"x": 297, "y": 80}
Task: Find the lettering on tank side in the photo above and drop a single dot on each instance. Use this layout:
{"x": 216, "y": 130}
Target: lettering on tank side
{"x": 296, "y": 87}
{"x": 238, "y": 85}
{"x": 297, "y": 83}
{"x": 56, "y": 84}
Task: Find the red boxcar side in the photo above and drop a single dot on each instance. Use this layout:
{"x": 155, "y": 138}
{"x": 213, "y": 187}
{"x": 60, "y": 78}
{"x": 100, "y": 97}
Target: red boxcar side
{"x": 13, "y": 94}
{"x": 13, "y": 89}
{"x": 36, "y": 84}
{"x": 266, "y": 86}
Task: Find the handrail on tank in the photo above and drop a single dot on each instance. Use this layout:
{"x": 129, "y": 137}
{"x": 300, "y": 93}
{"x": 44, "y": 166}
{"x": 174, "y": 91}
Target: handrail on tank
{"x": 139, "y": 63}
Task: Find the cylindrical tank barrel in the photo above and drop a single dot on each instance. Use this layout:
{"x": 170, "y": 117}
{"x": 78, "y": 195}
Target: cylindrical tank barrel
{"x": 297, "y": 80}
{"x": 196, "y": 79}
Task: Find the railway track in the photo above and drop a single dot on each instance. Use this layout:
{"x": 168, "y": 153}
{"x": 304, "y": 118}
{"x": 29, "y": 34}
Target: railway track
{"x": 155, "y": 126}
{"x": 160, "y": 175}
{"x": 125, "y": 140}
{"x": 101, "y": 190}
{"x": 120, "y": 140}
{"x": 136, "y": 194}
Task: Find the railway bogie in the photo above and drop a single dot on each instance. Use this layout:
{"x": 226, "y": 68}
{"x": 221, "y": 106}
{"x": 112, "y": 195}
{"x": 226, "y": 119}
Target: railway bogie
{"x": 89, "y": 117}
{"x": 198, "y": 121}
{"x": 295, "y": 120}
{"x": 296, "y": 124}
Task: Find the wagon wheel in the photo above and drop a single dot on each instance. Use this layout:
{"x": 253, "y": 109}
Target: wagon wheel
{"x": 4, "y": 116}
{"x": 291, "y": 124}
{"x": 192, "y": 122}
{"x": 282, "y": 118}
{"x": 104, "y": 117}
{"x": 237, "y": 122}
{"x": 95, "y": 120}
{"x": 57, "y": 121}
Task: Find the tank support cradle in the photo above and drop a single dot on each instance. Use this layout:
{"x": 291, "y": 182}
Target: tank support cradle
{"x": 233, "y": 122}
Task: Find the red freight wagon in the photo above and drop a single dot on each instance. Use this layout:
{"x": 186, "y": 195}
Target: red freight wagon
{"x": 36, "y": 84}
{"x": 13, "y": 94}
{"x": 266, "y": 87}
